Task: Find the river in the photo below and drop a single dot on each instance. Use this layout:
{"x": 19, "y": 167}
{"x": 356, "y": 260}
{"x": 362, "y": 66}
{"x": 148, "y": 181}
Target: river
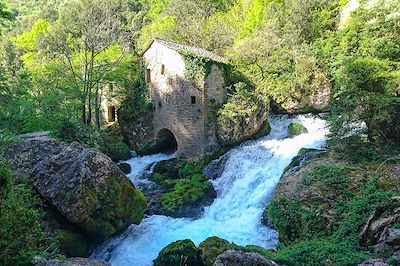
{"x": 251, "y": 173}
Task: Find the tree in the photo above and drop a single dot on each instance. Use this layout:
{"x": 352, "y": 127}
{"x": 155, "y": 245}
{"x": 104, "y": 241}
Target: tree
{"x": 368, "y": 93}
{"x": 90, "y": 41}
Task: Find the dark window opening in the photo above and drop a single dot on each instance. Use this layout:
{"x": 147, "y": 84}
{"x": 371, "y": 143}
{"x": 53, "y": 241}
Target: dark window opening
{"x": 162, "y": 69}
{"x": 148, "y": 77}
{"x": 111, "y": 86}
{"x": 193, "y": 99}
{"x": 111, "y": 113}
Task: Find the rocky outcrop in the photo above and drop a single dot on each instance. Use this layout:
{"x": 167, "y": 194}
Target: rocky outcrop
{"x": 81, "y": 183}
{"x": 374, "y": 262}
{"x": 74, "y": 262}
{"x": 139, "y": 132}
{"x": 242, "y": 258}
{"x": 237, "y": 128}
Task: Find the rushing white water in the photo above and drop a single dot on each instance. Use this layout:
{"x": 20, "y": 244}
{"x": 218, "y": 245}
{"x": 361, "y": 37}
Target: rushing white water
{"x": 250, "y": 176}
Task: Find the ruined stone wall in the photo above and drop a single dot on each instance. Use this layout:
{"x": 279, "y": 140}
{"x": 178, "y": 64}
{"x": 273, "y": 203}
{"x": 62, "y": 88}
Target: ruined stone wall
{"x": 171, "y": 96}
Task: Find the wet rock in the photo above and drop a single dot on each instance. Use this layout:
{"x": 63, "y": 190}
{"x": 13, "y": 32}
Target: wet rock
{"x": 374, "y": 262}
{"x": 295, "y": 129}
{"x": 233, "y": 130}
{"x": 125, "y": 167}
{"x": 215, "y": 168}
{"x": 83, "y": 184}
{"x": 242, "y": 258}
{"x": 74, "y": 262}
{"x": 169, "y": 167}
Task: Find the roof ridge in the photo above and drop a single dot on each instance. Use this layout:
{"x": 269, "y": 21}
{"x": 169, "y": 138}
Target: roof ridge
{"x": 180, "y": 47}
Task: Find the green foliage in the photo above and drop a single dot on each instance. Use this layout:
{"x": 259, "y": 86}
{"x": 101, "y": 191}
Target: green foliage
{"x": 296, "y": 129}
{"x": 319, "y": 252}
{"x": 332, "y": 176}
{"x": 22, "y": 236}
{"x": 111, "y": 143}
{"x": 212, "y": 247}
{"x": 71, "y": 243}
{"x": 185, "y": 192}
{"x": 181, "y": 252}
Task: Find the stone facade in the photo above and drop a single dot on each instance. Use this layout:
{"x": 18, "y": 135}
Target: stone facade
{"x": 182, "y": 106}
{"x": 111, "y": 99}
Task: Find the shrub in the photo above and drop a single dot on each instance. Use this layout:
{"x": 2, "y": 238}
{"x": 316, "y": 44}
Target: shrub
{"x": 331, "y": 175}
{"x": 212, "y": 247}
{"x": 22, "y": 236}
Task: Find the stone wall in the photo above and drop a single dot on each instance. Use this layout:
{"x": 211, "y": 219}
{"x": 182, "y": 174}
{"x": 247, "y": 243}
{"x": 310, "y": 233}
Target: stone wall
{"x": 171, "y": 94}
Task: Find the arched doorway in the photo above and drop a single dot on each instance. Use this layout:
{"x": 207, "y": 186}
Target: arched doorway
{"x": 166, "y": 141}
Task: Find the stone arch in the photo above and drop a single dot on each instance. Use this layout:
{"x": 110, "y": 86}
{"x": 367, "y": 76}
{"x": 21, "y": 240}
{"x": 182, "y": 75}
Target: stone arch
{"x": 166, "y": 141}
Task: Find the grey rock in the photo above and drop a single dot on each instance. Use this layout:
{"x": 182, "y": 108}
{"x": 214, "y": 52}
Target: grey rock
{"x": 82, "y": 183}
{"x": 74, "y": 262}
{"x": 393, "y": 237}
{"x": 242, "y": 258}
{"x": 374, "y": 262}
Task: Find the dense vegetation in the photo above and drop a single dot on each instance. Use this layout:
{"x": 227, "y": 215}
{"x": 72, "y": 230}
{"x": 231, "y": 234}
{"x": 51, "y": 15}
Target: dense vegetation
{"x": 58, "y": 56}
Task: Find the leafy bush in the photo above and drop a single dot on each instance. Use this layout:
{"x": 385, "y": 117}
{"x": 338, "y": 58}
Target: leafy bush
{"x": 111, "y": 143}
{"x": 22, "y": 236}
{"x": 332, "y": 176}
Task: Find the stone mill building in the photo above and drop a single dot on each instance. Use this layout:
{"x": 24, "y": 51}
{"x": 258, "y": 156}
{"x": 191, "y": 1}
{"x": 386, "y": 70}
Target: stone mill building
{"x": 185, "y": 83}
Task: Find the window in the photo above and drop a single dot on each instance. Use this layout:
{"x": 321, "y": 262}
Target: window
{"x": 111, "y": 86}
{"x": 162, "y": 69}
{"x": 148, "y": 77}
{"x": 111, "y": 114}
{"x": 193, "y": 99}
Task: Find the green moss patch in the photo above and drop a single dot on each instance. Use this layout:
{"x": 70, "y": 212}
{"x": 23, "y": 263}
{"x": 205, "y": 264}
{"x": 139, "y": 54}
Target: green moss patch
{"x": 185, "y": 192}
{"x": 182, "y": 252}
{"x": 212, "y": 247}
{"x": 71, "y": 243}
{"x": 296, "y": 129}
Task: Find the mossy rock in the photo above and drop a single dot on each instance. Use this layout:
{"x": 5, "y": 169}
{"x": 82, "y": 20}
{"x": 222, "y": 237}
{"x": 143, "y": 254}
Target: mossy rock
{"x": 295, "y": 129}
{"x": 264, "y": 130}
{"x": 181, "y": 252}
{"x": 125, "y": 167}
{"x": 71, "y": 244}
{"x": 212, "y": 247}
{"x": 168, "y": 167}
{"x": 122, "y": 204}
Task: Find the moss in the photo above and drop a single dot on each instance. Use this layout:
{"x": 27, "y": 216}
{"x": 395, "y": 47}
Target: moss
{"x": 112, "y": 144}
{"x": 332, "y": 176}
{"x": 296, "y": 129}
{"x": 182, "y": 252}
{"x": 212, "y": 247}
{"x": 121, "y": 205}
{"x": 264, "y": 130}
{"x": 185, "y": 192}
{"x": 71, "y": 243}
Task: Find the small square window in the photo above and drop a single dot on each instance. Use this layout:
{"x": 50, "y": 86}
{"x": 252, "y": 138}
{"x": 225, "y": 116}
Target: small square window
{"x": 162, "y": 69}
{"x": 193, "y": 99}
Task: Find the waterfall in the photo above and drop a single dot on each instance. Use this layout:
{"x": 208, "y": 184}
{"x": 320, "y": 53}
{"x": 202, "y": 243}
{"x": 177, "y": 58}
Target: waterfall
{"x": 250, "y": 176}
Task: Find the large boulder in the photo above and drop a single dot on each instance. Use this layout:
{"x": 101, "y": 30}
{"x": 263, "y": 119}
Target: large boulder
{"x": 83, "y": 184}
{"x": 242, "y": 258}
{"x": 237, "y": 127}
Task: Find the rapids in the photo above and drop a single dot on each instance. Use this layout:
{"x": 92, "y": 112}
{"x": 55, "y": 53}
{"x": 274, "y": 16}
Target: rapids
{"x": 250, "y": 176}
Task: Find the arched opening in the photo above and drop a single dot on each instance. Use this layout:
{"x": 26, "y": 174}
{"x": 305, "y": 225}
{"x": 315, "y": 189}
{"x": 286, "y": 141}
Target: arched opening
{"x": 166, "y": 141}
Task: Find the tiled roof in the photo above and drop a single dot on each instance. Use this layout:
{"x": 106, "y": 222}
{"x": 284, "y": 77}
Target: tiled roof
{"x": 187, "y": 48}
